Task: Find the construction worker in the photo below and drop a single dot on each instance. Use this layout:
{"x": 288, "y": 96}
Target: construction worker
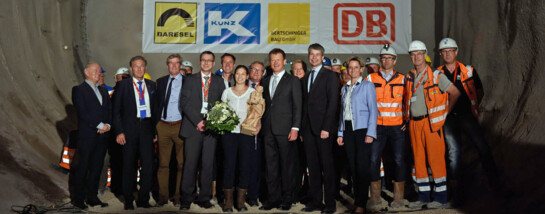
{"x": 187, "y": 68}
{"x": 336, "y": 65}
{"x": 428, "y": 97}
{"x": 389, "y": 86}
{"x": 464, "y": 115}
{"x": 372, "y": 65}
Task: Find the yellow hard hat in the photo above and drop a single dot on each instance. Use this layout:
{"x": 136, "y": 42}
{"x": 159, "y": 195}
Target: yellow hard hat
{"x": 428, "y": 59}
{"x": 147, "y": 76}
{"x": 343, "y": 68}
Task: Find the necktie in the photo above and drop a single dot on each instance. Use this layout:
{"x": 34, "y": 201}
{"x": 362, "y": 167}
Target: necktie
{"x": 253, "y": 85}
{"x": 274, "y": 83}
{"x": 165, "y": 104}
{"x": 206, "y": 78}
{"x": 142, "y": 100}
{"x": 311, "y": 80}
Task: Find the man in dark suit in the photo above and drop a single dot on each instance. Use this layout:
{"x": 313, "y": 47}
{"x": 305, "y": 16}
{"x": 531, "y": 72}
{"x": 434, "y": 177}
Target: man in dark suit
{"x": 134, "y": 126}
{"x": 200, "y": 91}
{"x": 320, "y": 100}
{"x": 94, "y": 111}
{"x": 281, "y": 122}
{"x": 169, "y": 90}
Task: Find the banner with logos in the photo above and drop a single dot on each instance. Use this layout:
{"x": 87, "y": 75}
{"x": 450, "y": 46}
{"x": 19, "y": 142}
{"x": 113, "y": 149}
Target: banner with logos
{"x": 245, "y": 26}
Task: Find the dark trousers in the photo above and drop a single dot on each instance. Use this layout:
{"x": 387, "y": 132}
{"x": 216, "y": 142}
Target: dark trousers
{"x": 396, "y": 137}
{"x": 139, "y": 146}
{"x": 87, "y": 166}
{"x": 255, "y": 168}
{"x": 359, "y": 154}
{"x": 116, "y": 166}
{"x": 455, "y": 125}
{"x": 201, "y": 149}
{"x": 236, "y": 153}
{"x": 321, "y": 168}
{"x": 282, "y": 168}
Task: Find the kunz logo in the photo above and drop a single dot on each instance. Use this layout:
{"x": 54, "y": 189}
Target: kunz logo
{"x": 232, "y": 23}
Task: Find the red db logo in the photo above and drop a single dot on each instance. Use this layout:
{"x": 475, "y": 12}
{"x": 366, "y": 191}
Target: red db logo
{"x": 364, "y": 23}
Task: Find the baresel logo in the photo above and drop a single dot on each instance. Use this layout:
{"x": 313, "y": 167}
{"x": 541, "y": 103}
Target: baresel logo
{"x": 175, "y": 23}
{"x": 232, "y": 23}
{"x": 364, "y": 23}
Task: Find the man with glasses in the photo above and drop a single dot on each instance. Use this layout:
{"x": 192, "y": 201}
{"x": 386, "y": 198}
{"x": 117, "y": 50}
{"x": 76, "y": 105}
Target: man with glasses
{"x": 199, "y": 92}
{"x": 389, "y": 86}
{"x": 428, "y": 97}
{"x": 463, "y": 118}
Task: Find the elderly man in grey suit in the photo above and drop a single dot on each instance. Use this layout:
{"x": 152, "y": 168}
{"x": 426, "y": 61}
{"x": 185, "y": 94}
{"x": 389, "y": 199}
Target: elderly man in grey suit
{"x": 281, "y": 122}
{"x": 199, "y": 92}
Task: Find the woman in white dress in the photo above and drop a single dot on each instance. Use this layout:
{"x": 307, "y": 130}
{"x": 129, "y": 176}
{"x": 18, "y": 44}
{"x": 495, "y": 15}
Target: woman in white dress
{"x": 237, "y": 146}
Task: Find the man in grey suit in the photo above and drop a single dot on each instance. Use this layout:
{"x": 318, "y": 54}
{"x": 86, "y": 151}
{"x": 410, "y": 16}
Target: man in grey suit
{"x": 281, "y": 123}
{"x": 199, "y": 92}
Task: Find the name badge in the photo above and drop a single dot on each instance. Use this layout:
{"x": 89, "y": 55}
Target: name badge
{"x": 204, "y": 109}
{"x": 413, "y": 99}
{"x": 142, "y": 107}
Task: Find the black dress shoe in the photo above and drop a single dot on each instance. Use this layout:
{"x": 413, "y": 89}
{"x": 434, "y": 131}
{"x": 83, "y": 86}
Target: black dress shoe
{"x": 143, "y": 204}
{"x": 227, "y": 210}
{"x": 252, "y": 202}
{"x": 205, "y": 204}
{"x": 311, "y": 208}
{"x": 80, "y": 205}
{"x": 185, "y": 205}
{"x": 96, "y": 202}
{"x": 269, "y": 206}
{"x": 129, "y": 206}
{"x": 329, "y": 210}
{"x": 285, "y": 206}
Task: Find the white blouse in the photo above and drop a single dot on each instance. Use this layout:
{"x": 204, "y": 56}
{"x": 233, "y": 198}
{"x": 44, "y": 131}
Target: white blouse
{"x": 238, "y": 103}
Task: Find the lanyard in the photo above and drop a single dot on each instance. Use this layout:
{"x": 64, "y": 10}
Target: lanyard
{"x": 420, "y": 81}
{"x": 205, "y": 91}
{"x": 140, "y": 94}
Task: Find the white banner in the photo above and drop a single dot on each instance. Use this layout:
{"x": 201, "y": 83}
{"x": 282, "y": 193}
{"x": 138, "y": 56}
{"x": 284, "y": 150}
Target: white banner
{"x": 244, "y": 26}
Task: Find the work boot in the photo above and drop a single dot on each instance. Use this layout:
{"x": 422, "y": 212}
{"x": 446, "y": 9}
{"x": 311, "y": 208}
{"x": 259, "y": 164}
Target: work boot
{"x": 241, "y": 199}
{"x": 399, "y": 190}
{"x": 374, "y": 204}
{"x": 228, "y": 207}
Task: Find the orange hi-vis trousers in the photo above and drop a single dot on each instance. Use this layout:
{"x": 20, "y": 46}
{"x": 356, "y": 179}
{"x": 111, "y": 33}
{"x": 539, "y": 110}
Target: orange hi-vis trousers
{"x": 429, "y": 149}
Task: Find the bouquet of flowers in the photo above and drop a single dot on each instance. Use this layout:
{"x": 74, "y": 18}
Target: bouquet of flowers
{"x": 221, "y": 118}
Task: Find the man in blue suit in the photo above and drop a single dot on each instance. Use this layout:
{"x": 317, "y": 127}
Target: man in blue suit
{"x": 94, "y": 111}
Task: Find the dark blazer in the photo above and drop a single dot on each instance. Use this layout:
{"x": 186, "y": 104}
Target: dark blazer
{"x": 284, "y": 111}
{"x": 162, "y": 84}
{"x": 320, "y": 104}
{"x": 124, "y": 104}
{"x": 191, "y": 101}
{"x": 90, "y": 112}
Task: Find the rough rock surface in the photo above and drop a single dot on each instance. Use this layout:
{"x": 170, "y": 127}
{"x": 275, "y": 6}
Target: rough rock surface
{"x": 44, "y": 44}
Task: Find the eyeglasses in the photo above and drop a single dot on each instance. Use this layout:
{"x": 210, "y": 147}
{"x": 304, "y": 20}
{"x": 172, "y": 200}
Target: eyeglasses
{"x": 255, "y": 69}
{"x": 417, "y": 54}
{"x": 448, "y": 51}
{"x": 387, "y": 58}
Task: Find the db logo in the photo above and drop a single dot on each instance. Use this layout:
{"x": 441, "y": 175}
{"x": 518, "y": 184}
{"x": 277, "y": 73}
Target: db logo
{"x": 364, "y": 23}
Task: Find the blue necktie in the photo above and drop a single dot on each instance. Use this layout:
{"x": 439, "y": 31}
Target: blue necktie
{"x": 142, "y": 100}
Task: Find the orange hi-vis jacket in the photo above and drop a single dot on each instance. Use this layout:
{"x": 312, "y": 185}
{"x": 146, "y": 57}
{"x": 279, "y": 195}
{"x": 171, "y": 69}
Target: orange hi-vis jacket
{"x": 389, "y": 98}
{"x": 466, "y": 76}
{"x": 436, "y": 101}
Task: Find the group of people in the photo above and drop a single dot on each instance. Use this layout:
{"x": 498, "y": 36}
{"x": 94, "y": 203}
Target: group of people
{"x": 308, "y": 115}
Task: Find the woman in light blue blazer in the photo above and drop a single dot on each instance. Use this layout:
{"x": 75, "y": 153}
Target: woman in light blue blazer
{"x": 357, "y": 128}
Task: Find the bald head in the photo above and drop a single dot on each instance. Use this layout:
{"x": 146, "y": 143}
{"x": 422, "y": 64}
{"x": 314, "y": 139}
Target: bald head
{"x": 92, "y": 72}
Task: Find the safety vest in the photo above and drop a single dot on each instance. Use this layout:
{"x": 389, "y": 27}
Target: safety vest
{"x": 389, "y": 98}
{"x": 466, "y": 76}
{"x": 436, "y": 101}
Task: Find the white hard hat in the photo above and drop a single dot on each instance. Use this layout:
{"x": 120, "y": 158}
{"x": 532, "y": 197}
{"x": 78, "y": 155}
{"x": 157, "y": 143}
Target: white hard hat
{"x": 417, "y": 45}
{"x": 371, "y": 60}
{"x": 336, "y": 61}
{"x": 447, "y": 43}
{"x": 388, "y": 50}
{"x": 122, "y": 70}
{"x": 187, "y": 64}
